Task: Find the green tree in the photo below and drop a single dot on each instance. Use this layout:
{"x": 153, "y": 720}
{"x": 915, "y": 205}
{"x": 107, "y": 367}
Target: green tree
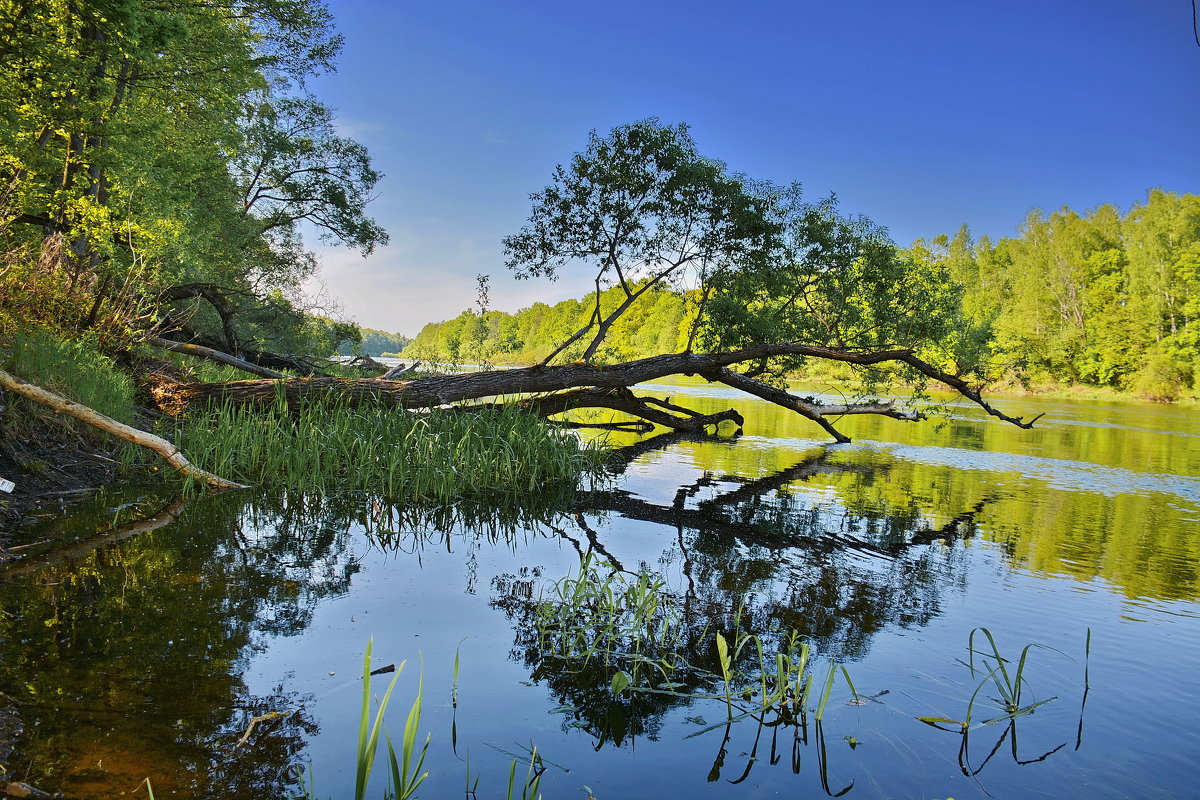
{"x": 169, "y": 144}
{"x": 835, "y": 281}
{"x": 638, "y": 208}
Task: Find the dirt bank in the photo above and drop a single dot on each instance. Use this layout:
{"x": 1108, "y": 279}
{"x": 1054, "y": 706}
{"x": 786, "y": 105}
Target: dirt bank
{"x": 51, "y": 468}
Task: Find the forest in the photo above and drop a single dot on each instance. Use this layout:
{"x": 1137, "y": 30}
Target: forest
{"x": 1102, "y": 299}
{"x": 159, "y": 164}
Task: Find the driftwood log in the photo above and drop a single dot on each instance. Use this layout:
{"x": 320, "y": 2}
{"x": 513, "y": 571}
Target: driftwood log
{"x": 162, "y": 447}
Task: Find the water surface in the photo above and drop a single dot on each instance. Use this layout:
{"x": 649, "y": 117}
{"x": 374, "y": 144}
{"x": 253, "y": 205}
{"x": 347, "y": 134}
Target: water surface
{"x": 147, "y": 648}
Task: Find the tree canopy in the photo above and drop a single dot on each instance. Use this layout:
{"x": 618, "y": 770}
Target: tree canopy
{"x": 639, "y": 208}
{"x": 1103, "y": 298}
{"x": 169, "y": 144}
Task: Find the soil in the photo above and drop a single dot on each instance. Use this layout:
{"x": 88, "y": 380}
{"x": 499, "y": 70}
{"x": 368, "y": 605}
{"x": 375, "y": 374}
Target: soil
{"x": 51, "y": 468}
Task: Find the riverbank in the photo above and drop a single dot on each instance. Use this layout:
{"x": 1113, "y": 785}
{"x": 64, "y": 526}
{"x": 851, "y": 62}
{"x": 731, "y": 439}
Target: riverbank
{"x": 50, "y": 469}
{"x": 1189, "y": 398}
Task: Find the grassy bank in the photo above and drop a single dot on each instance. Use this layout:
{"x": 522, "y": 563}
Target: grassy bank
{"x": 397, "y": 456}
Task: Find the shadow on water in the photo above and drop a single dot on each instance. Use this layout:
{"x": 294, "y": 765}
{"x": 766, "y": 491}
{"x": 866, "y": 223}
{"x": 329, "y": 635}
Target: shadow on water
{"x": 124, "y": 649}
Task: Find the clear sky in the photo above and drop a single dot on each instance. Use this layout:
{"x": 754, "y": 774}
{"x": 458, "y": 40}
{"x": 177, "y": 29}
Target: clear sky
{"x": 921, "y": 114}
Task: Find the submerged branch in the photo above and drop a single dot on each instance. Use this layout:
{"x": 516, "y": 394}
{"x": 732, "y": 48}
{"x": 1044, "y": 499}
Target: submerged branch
{"x": 817, "y": 412}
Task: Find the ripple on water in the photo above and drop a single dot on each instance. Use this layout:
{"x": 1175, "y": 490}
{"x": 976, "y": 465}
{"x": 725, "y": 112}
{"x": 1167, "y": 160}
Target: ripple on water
{"x": 1058, "y": 473}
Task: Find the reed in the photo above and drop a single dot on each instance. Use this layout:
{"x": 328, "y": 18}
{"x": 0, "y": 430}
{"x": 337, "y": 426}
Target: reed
{"x": 1005, "y": 675}
{"x": 403, "y": 776}
{"x": 531, "y": 786}
{"x": 404, "y": 768}
{"x": 1009, "y": 685}
{"x": 389, "y": 453}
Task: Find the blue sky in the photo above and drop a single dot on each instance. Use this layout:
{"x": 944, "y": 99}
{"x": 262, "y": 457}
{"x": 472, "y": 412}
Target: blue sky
{"x": 922, "y": 115}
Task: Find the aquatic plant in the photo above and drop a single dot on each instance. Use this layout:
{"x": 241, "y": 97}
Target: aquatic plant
{"x": 530, "y": 788}
{"x": 1008, "y": 678}
{"x": 392, "y": 454}
{"x": 644, "y": 644}
{"x": 600, "y": 613}
{"x": 403, "y": 781}
{"x": 404, "y": 775}
{"x": 1009, "y": 685}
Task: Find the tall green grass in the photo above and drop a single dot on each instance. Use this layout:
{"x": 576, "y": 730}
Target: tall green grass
{"x": 403, "y": 777}
{"x": 390, "y": 453}
{"x": 73, "y": 368}
{"x": 404, "y": 774}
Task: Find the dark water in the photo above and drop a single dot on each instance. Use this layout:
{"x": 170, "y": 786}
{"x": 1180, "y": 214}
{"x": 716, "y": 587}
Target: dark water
{"x": 147, "y": 649}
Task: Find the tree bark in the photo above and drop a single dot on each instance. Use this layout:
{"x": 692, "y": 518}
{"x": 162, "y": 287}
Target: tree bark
{"x": 94, "y": 418}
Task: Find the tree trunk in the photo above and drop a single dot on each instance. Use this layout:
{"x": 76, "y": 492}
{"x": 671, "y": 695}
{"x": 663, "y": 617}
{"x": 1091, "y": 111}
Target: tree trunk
{"x": 200, "y": 351}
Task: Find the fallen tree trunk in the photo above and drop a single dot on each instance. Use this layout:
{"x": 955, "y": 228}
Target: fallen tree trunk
{"x": 555, "y": 385}
{"x": 262, "y": 358}
{"x": 94, "y": 418}
{"x": 817, "y": 412}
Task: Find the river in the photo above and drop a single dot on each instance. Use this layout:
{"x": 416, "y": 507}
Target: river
{"x": 148, "y": 648}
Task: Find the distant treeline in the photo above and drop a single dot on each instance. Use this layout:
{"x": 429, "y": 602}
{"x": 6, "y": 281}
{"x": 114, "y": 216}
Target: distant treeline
{"x": 1100, "y": 299}
{"x": 375, "y": 343}
{"x": 654, "y": 325}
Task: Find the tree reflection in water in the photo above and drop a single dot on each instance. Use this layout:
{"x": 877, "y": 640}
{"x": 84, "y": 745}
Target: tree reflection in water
{"x": 752, "y": 558}
{"x": 125, "y": 652}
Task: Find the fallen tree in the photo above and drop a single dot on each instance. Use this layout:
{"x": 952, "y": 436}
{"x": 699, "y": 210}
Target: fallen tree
{"x": 565, "y": 388}
{"x": 772, "y": 283}
{"x": 157, "y": 444}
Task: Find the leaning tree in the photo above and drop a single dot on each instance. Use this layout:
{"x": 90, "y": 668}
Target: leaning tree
{"x": 773, "y": 282}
